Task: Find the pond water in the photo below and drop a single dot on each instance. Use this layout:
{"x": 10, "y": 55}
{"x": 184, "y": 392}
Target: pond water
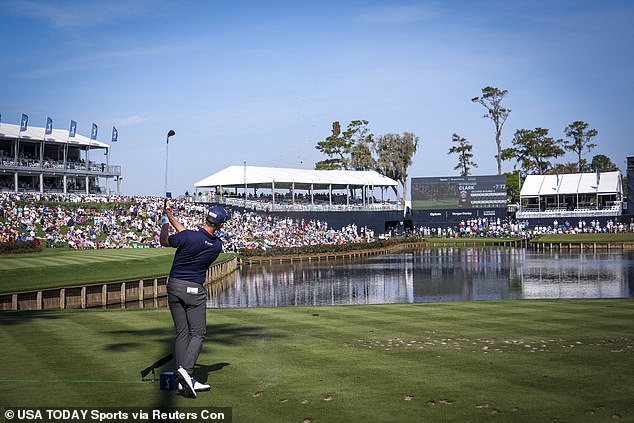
{"x": 431, "y": 275}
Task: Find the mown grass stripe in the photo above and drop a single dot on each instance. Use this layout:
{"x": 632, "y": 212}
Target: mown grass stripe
{"x": 52, "y": 270}
{"x": 87, "y": 349}
{"x": 23, "y": 262}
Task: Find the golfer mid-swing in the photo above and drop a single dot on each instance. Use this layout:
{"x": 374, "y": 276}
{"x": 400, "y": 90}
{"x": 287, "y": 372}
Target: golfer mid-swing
{"x": 187, "y": 299}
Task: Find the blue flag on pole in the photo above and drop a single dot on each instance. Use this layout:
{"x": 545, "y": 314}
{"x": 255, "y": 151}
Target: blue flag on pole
{"x": 115, "y": 134}
{"x": 73, "y": 129}
{"x": 49, "y": 126}
{"x": 24, "y": 122}
{"x": 93, "y": 133}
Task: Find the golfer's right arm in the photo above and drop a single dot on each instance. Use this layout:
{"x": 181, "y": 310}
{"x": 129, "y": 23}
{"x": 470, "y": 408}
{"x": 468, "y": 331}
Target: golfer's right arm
{"x": 164, "y": 237}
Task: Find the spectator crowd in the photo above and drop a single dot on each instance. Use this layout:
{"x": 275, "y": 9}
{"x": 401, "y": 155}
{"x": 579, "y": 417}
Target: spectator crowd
{"x": 496, "y": 228}
{"x": 82, "y": 221}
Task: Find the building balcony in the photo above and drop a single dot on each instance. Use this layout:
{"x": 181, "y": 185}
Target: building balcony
{"x": 58, "y": 167}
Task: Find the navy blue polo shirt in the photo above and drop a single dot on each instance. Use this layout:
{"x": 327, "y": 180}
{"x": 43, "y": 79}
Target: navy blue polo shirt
{"x": 195, "y": 251}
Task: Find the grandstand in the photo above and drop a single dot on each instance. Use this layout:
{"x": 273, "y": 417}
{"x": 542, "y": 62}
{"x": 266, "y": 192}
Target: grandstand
{"x": 340, "y": 197}
{"x": 574, "y": 195}
{"x": 33, "y": 161}
{"x": 316, "y": 190}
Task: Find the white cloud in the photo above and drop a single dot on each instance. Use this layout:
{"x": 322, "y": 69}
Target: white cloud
{"x": 95, "y": 61}
{"x": 130, "y": 121}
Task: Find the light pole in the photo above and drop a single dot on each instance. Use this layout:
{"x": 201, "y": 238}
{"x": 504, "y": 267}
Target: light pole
{"x": 169, "y": 134}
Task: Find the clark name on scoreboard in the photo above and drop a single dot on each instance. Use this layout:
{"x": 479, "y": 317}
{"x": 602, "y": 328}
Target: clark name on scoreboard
{"x": 459, "y": 192}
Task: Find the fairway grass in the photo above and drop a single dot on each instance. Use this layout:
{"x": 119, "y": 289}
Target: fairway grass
{"x": 519, "y": 361}
{"x": 54, "y": 268}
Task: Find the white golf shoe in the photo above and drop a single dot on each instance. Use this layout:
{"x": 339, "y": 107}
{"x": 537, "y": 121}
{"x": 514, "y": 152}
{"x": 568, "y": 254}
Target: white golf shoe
{"x": 198, "y": 387}
{"x": 185, "y": 382}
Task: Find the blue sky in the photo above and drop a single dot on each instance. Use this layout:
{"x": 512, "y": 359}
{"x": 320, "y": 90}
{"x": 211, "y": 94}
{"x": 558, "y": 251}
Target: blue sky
{"x": 263, "y": 81}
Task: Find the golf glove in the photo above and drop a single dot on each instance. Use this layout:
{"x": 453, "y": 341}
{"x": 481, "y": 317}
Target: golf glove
{"x": 164, "y": 220}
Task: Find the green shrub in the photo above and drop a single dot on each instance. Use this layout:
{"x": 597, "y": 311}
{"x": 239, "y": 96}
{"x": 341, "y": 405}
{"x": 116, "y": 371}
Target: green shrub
{"x": 20, "y": 247}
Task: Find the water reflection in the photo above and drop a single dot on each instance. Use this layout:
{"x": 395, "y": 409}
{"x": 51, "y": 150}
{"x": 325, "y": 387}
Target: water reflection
{"x": 438, "y": 274}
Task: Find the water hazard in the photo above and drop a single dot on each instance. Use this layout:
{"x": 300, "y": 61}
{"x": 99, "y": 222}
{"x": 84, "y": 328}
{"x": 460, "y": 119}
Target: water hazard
{"x": 431, "y": 275}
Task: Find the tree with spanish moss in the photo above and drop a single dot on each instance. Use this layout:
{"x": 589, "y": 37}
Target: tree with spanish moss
{"x": 465, "y": 156}
{"x": 491, "y": 99}
{"x": 394, "y": 156}
{"x": 361, "y": 147}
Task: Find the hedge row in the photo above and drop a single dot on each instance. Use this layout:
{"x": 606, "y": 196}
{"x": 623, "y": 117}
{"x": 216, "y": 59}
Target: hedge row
{"x": 20, "y": 247}
{"x": 328, "y": 248}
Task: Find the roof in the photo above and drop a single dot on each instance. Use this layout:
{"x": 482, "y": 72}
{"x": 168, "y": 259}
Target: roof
{"x": 572, "y": 183}
{"x": 256, "y": 176}
{"x": 34, "y": 133}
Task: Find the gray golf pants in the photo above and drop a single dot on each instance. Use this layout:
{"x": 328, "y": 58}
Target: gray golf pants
{"x": 188, "y": 305}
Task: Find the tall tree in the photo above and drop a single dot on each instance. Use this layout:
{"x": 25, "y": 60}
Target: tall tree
{"x": 335, "y": 147}
{"x": 602, "y": 164}
{"x": 513, "y": 186}
{"x": 580, "y": 140}
{"x": 394, "y": 156}
{"x": 491, "y": 99}
{"x": 564, "y": 168}
{"x": 533, "y": 149}
{"x": 342, "y": 147}
{"x": 362, "y": 141}
{"x": 465, "y": 157}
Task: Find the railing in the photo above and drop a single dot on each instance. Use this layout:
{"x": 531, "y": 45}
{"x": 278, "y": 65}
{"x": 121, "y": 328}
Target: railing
{"x": 285, "y": 205}
{"x": 592, "y": 246}
{"x": 58, "y": 166}
{"x": 578, "y": 212}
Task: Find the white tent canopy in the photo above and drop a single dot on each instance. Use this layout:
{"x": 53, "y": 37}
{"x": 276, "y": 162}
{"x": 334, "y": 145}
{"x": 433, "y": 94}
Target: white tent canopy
{"x": 286, "y": 178}
{"x": 572, "y": 183}
{"x": 275, "y": 179}
{"x": 34, "y": 133}
{"x": 571, "y": 195}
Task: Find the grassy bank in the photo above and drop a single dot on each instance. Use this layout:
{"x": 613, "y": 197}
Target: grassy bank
{"x": 477, "y": 240}
{"x": 519, "y": 361}
{"x": 600, "y": 237}
{"x": 61, "y": 267}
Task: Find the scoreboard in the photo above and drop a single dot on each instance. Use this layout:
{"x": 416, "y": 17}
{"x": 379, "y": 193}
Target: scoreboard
{"x": 459, "y": 192}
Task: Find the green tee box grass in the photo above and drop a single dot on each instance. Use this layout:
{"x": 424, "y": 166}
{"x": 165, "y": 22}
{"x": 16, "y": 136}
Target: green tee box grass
{"x": 61, "y": 267}
{"x": 608, "y": 237}
{"x": 519, "y": 361}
